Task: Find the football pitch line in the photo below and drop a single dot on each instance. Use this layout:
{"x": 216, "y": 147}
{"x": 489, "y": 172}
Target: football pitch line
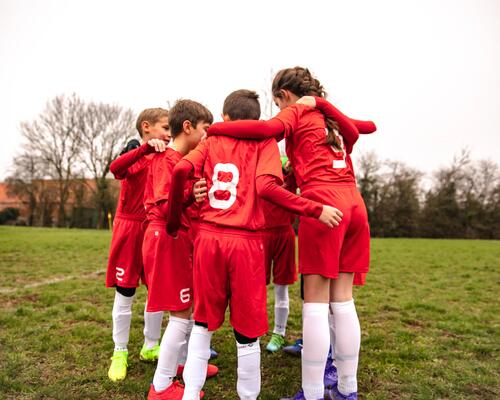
{"x": 52, "y": 281}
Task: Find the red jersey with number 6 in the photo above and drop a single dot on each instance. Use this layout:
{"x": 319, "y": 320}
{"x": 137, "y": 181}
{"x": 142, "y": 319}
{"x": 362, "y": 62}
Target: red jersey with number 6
{"x": 230, "y": 167}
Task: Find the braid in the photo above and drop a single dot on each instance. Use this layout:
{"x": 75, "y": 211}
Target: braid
{"x": 301, "y": 82}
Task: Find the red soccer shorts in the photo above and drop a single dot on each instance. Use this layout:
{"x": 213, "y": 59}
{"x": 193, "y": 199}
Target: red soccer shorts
{"x": 168, "y": 269}
{"x": 346, "y": 248}
{"x": 279, "y": 251}
{"x": 125, "y": 266}
{"x": 229, "y": 268}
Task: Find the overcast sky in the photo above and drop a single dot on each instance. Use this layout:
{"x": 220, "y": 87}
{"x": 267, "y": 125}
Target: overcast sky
{"x": 427, "y": 71}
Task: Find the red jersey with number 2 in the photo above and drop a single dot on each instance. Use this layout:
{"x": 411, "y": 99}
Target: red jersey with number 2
{"x": 313, "y": 161}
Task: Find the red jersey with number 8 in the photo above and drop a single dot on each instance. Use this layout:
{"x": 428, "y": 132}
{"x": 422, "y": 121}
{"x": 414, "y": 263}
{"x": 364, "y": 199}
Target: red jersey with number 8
{"x": 230, "y": 167}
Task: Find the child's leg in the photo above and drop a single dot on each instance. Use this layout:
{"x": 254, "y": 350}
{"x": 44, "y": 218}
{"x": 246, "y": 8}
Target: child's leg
{"x": 171, "y": 343}
{"x": 248, "y": 385}
{"x": 316, "y": 335}
{"x": 281, "y": 308}
{"x": 195, "y": 370}
{"x": 152, "y": 327}
{"x": 122, "y": 316}
{"x": 347, "y": 333}
{"x": 184, "y": 349}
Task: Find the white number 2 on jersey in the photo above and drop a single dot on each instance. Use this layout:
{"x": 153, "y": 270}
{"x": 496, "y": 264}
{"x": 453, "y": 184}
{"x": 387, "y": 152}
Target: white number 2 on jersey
{"x": 230, "y": 186}
{"x": 337, "y": 164}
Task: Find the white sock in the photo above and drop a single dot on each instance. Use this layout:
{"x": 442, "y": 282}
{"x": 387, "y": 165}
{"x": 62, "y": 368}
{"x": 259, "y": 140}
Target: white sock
{"x": 248, "y": 386}
{"x": 184, "y": 349}
{"x": 315, "y": 350}
{"x": 347, "y": 343}
{"x": 195, "y": 369}
{"x": 122, "y": 316}
{"x": 281, "y": 308}
{"x": 172, "y": 341}
{"x": 331, "y": 323}
{"x": 152, "y": 327}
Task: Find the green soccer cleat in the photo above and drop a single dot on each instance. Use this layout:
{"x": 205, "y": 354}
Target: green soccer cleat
{"x": 277, "y": 341}
{"x": 118, "y": 369}
{"x": 150, "y": 355}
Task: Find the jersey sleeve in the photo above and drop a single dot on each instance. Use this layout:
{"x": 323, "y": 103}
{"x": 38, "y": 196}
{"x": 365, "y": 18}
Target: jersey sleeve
{"x": 364, "y": 127}
{"x": 270, "y": 190}
{"x": 289, "y": 117}
{"x": 248, "y": 129}
{"x": 269, "y": 162}
{"x": 120, "y": 167}
{"x": 180, "y": 177}
{"x": 197, "y": 156}
{"x": 347, "y": 128}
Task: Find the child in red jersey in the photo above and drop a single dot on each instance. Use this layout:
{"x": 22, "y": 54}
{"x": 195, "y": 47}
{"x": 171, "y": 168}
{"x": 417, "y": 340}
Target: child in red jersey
{"x": 279, "y": 250}
{"x": 167, "y": 262}
{"x": 229, "y": 256}
{"x": 125, "y": 267}
{"x": 329, "y": 259}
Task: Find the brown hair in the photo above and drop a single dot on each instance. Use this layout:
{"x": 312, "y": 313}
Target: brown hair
{"x": 242, "y": 104}
{"x": 187, "y": 110}
{"x": 151, "y": 115}
{"x": 301, "y": 82}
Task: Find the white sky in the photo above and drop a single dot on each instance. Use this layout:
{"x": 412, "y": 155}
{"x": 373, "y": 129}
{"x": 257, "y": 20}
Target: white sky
{"x": 427, "y": 71}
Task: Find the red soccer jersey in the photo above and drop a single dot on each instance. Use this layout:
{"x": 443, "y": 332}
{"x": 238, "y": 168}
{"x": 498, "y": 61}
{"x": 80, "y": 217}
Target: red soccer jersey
{"x": 313, "y": 161}
{"x": 230, "y": 167}
{"x": 132, "y": 169}
{"x": 158, "y": 186}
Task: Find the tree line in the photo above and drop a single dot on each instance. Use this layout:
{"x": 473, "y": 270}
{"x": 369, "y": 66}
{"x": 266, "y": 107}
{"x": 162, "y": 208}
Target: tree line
{"x": 68, "y": 149}
{"x": 461, "y": 200}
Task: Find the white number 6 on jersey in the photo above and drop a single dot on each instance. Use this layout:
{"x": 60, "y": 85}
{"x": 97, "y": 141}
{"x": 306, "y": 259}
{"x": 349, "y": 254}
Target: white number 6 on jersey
{"x": 219, "y": 185}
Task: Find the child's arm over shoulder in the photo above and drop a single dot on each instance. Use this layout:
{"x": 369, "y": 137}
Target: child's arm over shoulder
{"x": 120, "y": 167}
{"x": 248, "y": 129}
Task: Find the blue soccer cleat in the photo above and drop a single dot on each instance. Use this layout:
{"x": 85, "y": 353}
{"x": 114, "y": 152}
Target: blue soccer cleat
{"x": 213, "y": 354}
{"x": 336, "y": 395}
{"x": 298, "y": 396}
{"x": 294, "y": 349}
{"x": 331, "y": 378}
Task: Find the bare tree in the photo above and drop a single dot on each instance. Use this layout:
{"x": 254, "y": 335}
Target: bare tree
{"x": 104, "y": 131}
{"x": 54, "y": 139}
{"x": 27, "y": 182}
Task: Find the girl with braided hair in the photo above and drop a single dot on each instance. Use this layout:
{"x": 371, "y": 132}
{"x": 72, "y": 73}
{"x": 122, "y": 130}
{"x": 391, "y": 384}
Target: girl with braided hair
{"x": 319, "y": 140}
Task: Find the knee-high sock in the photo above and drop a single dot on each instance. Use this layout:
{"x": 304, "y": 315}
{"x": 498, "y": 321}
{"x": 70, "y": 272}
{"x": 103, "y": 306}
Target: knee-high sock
{"x": 248, "y": 386}
{"x": 171, "y": 343}
{"x": 195, "y": 370}
{"x": 122, "y": 316}
{"x": 315, "y": 350}
{"x": 281, "y": 308}
{"x": 152, "y": 327}
{"x": 331, "y": 323}
{"x": 347, "y": 343}
{"x": 184, "y": 349}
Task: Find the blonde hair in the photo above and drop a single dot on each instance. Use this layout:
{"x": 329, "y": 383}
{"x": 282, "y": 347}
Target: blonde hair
{"x": 151, "y": 115}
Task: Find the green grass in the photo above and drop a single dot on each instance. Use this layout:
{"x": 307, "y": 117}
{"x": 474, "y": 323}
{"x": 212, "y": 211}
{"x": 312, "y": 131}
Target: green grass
{"x": 429, "y": 316}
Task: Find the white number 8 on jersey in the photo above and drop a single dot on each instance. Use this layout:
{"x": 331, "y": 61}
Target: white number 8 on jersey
{"x": 229, "y": 186}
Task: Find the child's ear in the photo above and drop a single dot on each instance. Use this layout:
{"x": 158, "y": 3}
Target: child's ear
{"x": 187, "y": 126}
{"x": 225, "y": 117}
{"x": 145, "y": 126}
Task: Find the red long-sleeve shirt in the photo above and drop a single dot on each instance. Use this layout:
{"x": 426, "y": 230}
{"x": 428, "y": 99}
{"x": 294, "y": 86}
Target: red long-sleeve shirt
{"x": 131, "y": 169}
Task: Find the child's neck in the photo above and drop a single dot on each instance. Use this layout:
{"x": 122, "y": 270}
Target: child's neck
{"x": 179, "y": 145}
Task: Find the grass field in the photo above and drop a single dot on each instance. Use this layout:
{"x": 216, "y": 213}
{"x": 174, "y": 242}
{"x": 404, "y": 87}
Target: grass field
{"x": 429, "y": 316}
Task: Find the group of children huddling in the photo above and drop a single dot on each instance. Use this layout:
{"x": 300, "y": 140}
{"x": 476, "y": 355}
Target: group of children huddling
{"x": 206, "y": 210}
